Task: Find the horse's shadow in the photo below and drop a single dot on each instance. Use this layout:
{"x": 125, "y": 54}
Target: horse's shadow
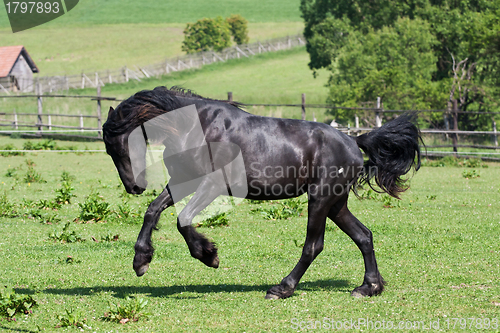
{"x": 189, "y": 290}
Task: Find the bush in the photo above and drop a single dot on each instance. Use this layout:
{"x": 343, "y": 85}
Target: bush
{"x": 206, "y": 34}
{"x": 238, "y": 26}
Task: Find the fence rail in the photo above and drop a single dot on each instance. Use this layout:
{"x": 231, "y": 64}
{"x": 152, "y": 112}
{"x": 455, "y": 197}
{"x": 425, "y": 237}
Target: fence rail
{"x": 94, "y": 79}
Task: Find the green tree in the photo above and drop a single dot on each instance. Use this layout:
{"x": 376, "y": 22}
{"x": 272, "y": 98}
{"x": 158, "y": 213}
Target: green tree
{"x": 459, "y": 36}
{"x": 239, "y": 28}
{"x": 206, "y": 34}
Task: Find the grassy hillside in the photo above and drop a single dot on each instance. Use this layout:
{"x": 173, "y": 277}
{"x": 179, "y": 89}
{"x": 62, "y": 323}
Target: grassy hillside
{"x": 97, "y": 47}
{"x": 99, "y": 35}
{"x": 92, "y": 12}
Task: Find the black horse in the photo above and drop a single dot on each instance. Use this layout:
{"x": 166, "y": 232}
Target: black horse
{"x": 283, "y": 158}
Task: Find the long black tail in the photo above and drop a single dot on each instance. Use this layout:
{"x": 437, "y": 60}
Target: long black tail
{"x": 392, "y": 151}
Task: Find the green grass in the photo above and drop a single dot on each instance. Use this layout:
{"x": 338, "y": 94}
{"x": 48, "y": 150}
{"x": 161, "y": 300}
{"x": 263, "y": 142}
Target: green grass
{"x": 99, "y": 35}
{"x": 438, "y": 250}
{"x": 74, "y": 49}
{"x": 95, "y": 12}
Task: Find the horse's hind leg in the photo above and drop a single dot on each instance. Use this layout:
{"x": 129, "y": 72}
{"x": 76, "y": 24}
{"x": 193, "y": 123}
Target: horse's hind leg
{"x": 143, "y": 247}
{"x": 313, "y": 245}
{"x": 373, "y": 284}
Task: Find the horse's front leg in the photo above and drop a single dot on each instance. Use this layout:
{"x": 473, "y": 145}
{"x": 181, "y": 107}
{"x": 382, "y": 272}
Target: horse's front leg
{"x": 143, "y": 247}
{"x": 318, "y": 210}
{"x": 199, "y": 246}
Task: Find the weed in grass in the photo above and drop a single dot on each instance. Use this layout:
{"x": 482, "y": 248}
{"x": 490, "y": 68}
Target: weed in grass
{"x": 12, "y": 304}
{"x": 50, "y": 218}
{"x": 369, "y": 195}
{"x": 132, "y": 310}
{"x": 71, "y": 319}
{"x": 67, "y": 177}
{"x": 474, "y": 163}
{"x": 31, "y": 175}
{"x": 65, "y": 193}
{"x": 254, "y": 202}
{"x": 70, "y": 260}
{"x": 297, "y": 244}
{"x": 285, "y": 209}
{"x": 11, "y": 172}
{"x": 390, "y": 202}
{"x": 9, "y": 153}
{"x": 470, "y": 174}
{"x": 7, "y": 208}
{"x": 110, "y": 238}
{"x": 65, "y": 236}
{"x": 219, "y": 220}
{"x": 48, "y": 204}
{"x": 127, "y": 214}
{"x": 42, "y": 145}
{"x": 94, "y": 208}
{"x": 431, "y": 197}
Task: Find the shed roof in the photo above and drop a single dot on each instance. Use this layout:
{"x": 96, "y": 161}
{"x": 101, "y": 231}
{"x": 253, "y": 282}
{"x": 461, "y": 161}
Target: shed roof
{"x": 9, "y": 56}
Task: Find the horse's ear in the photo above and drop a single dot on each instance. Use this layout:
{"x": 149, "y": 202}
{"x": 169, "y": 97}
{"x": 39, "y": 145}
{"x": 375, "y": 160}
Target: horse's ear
{"x": 110, "y": 111}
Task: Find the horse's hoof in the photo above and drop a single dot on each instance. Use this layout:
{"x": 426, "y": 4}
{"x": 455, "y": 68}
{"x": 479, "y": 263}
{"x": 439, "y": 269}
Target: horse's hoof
{"x": 211, "y": 261}
{"x": 142, "y": 270}
{"x": 279, "y": 292}
{"x": 271, "y": 296}
{"x": 355, "y": 294}
{"x": 215, "y": 262}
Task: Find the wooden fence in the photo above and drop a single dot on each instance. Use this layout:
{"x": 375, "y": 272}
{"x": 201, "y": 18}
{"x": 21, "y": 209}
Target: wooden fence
{"x": 50, "y": 84}
{"x": 19, "y": 122}
{"x": 42, "y": 124}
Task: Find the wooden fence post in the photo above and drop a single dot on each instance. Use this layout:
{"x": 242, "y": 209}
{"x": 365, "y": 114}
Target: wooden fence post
{"x": 356, "y": 121}
{"x": 49, "y": 122}
{"x": 230, "y": 96}
{"x": 99, "y": 124}
{"x": 378, "y": 119}
{"x": 81, "y": 122}
{"x": 455, "y": 126}
{"x": 495, "y": 137}
{"x": 303, "y": 106}
{"x": 40, "y": 109}
{"x": 15, "y": 120}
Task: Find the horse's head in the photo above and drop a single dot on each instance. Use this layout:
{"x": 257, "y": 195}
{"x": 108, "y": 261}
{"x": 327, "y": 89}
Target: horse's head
{"x": 129, "y": 156}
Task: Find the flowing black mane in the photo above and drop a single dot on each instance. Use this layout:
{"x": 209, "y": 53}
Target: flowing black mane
{"x": 147, "y": 104}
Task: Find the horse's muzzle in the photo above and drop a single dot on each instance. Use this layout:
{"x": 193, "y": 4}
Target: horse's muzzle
{"x": 136, "y": 190}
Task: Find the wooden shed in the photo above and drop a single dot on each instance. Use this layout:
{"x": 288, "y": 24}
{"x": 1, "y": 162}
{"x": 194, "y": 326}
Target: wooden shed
{"x": 16, "y": 69}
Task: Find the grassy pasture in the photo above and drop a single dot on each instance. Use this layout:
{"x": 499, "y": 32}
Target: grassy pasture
{"x": 99, "y": 35}
{"x": 438, "y": 249}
